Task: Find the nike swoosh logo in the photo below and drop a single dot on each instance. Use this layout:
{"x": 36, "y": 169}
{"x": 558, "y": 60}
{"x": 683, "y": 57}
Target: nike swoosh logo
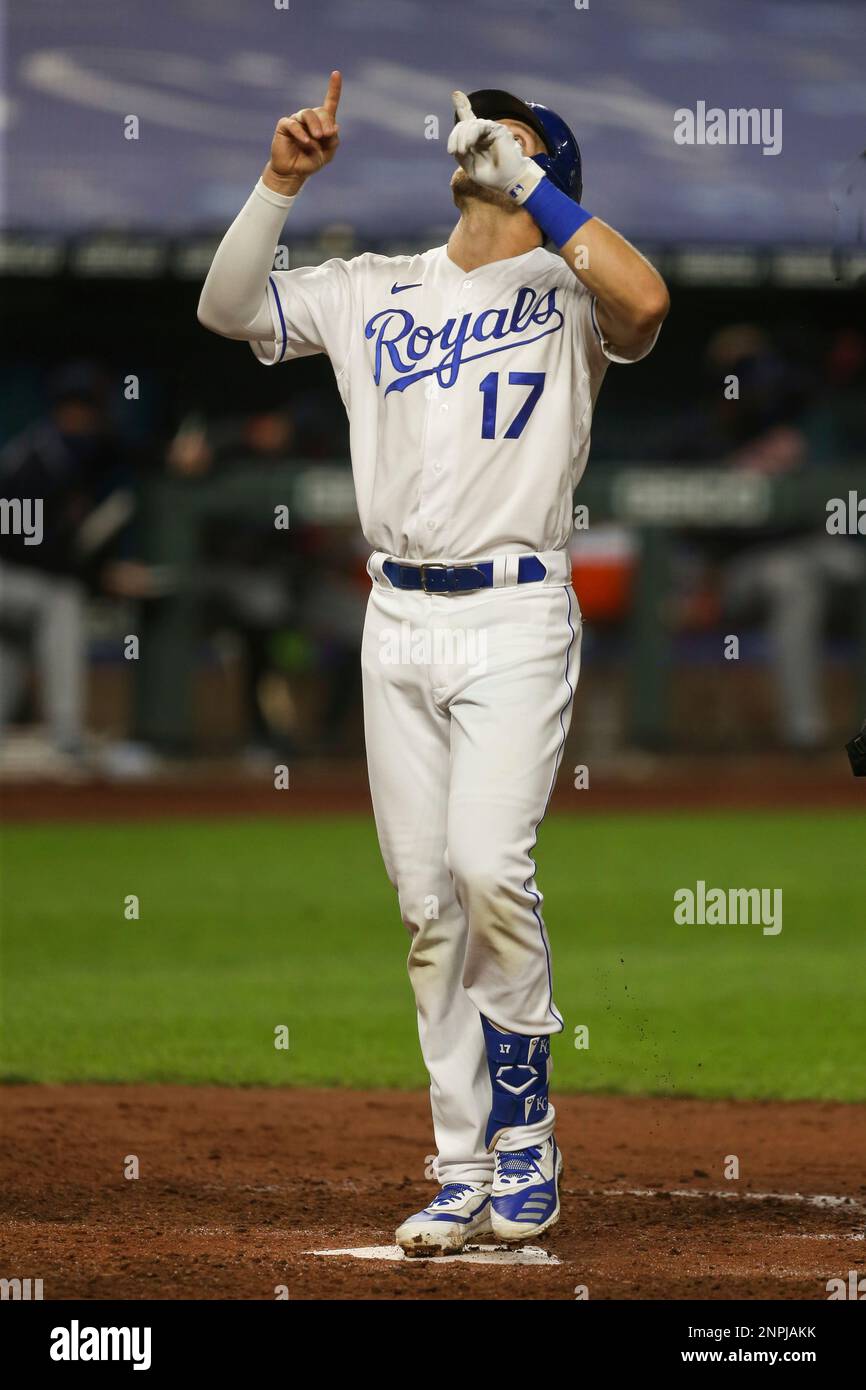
{"x": 398, "y": 289}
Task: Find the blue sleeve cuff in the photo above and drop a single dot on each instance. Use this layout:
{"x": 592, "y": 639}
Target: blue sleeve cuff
{"x": 558, "y": 216}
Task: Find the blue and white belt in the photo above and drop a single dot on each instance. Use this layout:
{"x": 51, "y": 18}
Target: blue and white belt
{"x": 499, "y": 572}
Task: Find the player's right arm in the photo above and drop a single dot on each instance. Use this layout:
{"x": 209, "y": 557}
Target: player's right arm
{"x": 234, "y": 300}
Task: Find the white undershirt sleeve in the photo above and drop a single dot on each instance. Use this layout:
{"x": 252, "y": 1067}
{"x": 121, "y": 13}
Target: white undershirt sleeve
{"x": 234, "y": 298}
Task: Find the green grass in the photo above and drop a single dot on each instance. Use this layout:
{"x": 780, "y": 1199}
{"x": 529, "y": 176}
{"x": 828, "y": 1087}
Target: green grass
{"x": 248, "y": 925}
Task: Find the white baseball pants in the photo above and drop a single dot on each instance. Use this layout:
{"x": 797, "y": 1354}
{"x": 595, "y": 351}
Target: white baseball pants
{"x": 467, "y": 702}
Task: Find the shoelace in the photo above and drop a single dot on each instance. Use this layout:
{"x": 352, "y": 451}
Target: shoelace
{"x": 521, "y": 1163}
{"x": 449, "y": 1192}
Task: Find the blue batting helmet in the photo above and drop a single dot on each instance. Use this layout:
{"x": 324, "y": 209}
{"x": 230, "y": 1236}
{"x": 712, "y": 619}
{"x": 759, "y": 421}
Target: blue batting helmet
{"x": 562, "y": 163}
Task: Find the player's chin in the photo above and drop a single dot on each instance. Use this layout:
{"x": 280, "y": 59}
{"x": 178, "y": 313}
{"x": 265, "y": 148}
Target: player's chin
{"x": 465, "y": 190}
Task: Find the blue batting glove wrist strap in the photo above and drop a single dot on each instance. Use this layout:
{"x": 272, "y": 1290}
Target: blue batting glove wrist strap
{"x": 558, "y": 216}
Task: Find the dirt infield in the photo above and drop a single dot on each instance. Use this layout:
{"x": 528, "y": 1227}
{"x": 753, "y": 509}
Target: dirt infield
{"x": 237, "y": 1187}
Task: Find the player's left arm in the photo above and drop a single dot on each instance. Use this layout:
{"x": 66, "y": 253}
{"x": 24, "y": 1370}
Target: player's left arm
{"x": 632, "y": 299}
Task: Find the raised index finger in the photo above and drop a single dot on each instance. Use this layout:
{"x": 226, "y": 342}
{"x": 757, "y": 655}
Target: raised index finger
{"x": 332, "y": 96}
{"x": 462, "y": 110}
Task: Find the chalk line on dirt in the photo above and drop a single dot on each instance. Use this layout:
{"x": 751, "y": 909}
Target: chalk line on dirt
{"x": 474, "y": 1255}
{"x": 818, "y": 1199}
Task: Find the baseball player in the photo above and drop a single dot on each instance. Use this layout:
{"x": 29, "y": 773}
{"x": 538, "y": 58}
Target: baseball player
{"x": 469, "y": 373}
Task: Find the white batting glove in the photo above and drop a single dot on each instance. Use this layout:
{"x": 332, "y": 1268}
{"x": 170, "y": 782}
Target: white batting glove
{"x": 490, "y": 154}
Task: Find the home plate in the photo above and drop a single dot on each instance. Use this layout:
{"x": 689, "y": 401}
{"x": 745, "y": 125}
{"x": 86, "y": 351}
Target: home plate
{"x": 473, "y": 1255}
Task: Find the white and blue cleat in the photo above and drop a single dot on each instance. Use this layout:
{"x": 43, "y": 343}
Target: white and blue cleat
{"x": 460, "y": 1214}
{"x": 526, "y": 1191}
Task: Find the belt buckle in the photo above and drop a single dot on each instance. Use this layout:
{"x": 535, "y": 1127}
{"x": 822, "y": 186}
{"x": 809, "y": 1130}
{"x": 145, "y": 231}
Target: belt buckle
{"x": 423, "y": 571}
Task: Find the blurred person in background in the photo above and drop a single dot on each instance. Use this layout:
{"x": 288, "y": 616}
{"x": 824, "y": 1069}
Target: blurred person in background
{"x": 74, "y": 462}
{"x": 838, "y": 420}
{"x": 246, "y": 581}
{"x": 291, "y": 598}
{"x": 335, "y": 600}
{"x": 782, "y": 576}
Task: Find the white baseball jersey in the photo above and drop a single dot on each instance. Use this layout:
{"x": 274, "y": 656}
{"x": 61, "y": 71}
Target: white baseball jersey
{"x": 469, "y": 394}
